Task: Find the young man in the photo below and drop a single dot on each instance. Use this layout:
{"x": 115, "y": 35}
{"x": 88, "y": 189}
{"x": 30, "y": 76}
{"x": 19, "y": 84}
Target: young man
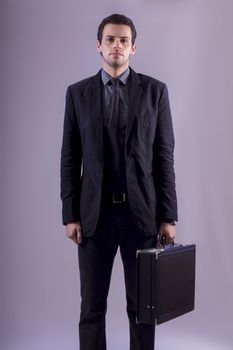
{"x": 117, "y": 177}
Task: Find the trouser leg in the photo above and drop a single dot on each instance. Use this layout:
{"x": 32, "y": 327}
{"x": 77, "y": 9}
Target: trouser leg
{"x": 141, "y": 335}
{"x": 96, "y": 256}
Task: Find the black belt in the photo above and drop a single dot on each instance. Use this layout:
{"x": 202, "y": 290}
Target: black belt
{"x": 116, "y": 198}
{"x": 119, "y": 198}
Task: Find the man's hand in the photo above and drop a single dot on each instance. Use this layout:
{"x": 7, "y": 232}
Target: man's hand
{"x": 167, "y": 230}
{"x": 74, "y": 232}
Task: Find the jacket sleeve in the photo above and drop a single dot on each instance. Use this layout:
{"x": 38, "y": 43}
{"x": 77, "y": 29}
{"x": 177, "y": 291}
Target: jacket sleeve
{"x": 70, "y": 166}
{"x": 164, "y": 161}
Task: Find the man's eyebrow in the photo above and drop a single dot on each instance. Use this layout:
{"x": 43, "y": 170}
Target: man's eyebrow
{"x": 121, "y": 37}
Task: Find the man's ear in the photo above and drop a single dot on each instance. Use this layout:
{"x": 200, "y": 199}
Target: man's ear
{"x": 99, "y": 49}
{"x": 133, "y": 49}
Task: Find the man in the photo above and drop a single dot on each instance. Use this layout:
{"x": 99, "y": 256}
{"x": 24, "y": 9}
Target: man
{"x": 117, "y": 177}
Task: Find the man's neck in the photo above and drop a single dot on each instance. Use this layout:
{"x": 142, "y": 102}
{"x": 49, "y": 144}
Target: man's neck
{"x": 115, "y": 72}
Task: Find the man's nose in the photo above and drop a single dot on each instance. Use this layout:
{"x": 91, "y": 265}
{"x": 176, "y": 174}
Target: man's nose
{"x": 117, "y": 43}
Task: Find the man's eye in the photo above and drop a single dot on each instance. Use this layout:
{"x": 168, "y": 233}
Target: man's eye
{"x": 110, "y": 40}
{"x": 125, "y": 41}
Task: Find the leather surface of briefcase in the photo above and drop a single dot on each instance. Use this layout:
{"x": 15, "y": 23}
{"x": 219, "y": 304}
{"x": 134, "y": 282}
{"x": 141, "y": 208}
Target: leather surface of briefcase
{"x": 165, "y": 283}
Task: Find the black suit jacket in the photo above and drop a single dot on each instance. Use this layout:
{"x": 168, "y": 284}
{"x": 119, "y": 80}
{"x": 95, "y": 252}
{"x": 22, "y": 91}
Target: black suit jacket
{"x": 148, "y": 152}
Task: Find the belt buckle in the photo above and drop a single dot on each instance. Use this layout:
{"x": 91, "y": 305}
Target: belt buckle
{"x": 117, "y": 200}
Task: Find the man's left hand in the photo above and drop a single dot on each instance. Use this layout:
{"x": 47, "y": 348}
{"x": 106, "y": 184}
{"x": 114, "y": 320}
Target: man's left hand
{"x": 167, "y": 230}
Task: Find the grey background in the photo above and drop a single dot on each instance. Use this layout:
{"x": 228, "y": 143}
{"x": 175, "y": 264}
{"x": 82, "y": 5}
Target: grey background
{"x": 48, "y": 44}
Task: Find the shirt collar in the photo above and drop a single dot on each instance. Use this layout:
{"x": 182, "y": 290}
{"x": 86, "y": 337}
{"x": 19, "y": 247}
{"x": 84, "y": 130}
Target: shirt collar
{"x": 123, "y": 77}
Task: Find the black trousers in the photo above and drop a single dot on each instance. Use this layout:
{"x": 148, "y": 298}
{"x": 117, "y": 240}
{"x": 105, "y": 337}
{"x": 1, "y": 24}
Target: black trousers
{"x": 96, "y": 257}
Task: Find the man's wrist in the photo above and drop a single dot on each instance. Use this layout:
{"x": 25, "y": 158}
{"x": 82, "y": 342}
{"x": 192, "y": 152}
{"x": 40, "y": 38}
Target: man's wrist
{"x": 170, "y": 222}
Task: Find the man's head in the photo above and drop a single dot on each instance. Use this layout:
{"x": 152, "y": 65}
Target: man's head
{"x": 117, "y": 19}
{"x": 116, "y": 42}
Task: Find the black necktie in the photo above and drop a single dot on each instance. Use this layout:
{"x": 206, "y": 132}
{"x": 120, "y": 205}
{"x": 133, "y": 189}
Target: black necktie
{"x": 115, "y": 102}
{"x": 113, "y": 126}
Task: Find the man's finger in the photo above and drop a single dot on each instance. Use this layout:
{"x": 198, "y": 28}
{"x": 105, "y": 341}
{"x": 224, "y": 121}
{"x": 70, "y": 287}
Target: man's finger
{"x": 73, "y": 237}
{"x": 74, "y": 232}
{"x": 165, "y": 238}
{"x": 79, "y": 236}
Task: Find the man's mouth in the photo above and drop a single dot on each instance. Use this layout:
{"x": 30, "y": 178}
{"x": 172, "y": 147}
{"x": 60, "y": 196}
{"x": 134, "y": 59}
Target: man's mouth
{"x": 116, "y": 54}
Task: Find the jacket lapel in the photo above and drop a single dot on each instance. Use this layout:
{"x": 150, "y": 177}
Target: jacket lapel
{"x": 94, "y": 95}
{"x": 135, "y": 95}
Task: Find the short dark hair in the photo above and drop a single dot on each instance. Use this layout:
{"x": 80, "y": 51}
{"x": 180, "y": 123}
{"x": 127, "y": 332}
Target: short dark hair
{"x": 116, "y": 19}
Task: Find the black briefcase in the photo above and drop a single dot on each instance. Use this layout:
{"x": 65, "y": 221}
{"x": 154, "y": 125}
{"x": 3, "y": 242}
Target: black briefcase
{"x": 165, "y": 283}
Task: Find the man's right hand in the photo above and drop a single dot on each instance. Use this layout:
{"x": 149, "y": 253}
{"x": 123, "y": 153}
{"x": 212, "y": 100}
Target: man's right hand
{"x": 74, "y": 232}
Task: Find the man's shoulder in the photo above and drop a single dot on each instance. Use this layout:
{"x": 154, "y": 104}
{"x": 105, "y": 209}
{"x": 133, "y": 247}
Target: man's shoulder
{"x": 146, "y": 79}
{"x": 81, "y": 84}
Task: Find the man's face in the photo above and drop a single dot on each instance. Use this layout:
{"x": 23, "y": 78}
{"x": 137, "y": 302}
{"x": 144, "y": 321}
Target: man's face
{"x": 116, "y": 46}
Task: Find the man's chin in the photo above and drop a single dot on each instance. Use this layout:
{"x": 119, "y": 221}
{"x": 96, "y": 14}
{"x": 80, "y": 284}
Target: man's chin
{"x": 117, "y": 64}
